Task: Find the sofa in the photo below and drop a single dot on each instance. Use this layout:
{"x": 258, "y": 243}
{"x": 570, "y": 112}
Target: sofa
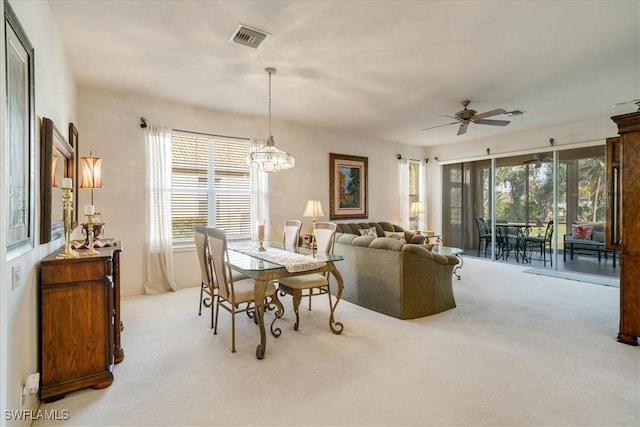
{"x": 385, "y": 274}
{"x": 587, "y": 238}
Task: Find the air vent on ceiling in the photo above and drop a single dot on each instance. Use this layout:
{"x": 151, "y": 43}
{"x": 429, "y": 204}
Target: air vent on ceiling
{"x": 247, "y": 36}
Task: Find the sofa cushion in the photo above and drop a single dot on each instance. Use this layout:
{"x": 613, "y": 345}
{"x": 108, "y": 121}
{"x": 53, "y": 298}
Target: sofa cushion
{"x": 397, "y": 235}
{"x": 368, "y": 232}
{"x": 581, "y": 232}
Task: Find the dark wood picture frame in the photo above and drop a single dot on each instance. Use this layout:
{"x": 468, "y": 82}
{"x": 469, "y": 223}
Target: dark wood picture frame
{"x": 348, "y": 187}
{"x": 54, "y": 143}
{"x": 20, "y": 90}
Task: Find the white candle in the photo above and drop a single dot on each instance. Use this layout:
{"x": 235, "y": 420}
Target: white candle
{"x": 260, "y": 231}
{"x": 89, "y": 210}
{"x": 67, "y": 183}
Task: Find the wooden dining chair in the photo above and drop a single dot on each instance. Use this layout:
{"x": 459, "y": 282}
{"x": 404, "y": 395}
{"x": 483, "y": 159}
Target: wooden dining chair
{"x": 208, "y": 290}
{"x": 310, "y": 285}
{"x": 233, "y": 294}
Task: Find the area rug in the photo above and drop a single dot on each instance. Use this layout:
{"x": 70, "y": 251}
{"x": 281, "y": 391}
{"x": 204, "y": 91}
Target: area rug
{"x": 580, "y": 277}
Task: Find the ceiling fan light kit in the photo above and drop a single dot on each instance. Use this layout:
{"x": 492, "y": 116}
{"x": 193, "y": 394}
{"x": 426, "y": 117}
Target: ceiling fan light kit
{"x": 467, "y": 116}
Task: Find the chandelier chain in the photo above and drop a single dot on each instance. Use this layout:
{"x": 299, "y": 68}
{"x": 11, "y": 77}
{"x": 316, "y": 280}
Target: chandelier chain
{"x": 270, "y": 103}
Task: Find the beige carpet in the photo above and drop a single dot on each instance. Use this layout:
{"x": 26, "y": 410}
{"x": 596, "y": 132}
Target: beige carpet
{"x": 520, "y": 349}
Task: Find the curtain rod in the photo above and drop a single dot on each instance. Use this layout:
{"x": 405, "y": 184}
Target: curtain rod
{"x": 213, "y": 134}
{"x": 143, "y": 124}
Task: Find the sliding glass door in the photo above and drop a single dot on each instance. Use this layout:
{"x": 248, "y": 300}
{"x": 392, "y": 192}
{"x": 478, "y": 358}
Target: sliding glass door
{"x": 526, "y": 194}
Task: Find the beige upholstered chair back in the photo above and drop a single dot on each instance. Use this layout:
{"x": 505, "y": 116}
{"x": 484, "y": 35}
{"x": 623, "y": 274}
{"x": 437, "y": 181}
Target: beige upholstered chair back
{"x": 217, "y": 239}
{"x": 291, "y": 235}
{"x": 324, "y": 235}
{"x": 202, "y": 249}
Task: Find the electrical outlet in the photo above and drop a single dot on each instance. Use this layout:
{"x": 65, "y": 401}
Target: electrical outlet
{"x": 16, "y": 276}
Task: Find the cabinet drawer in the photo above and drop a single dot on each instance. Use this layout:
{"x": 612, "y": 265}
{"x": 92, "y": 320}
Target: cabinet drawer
{"x": 80, "y": 270}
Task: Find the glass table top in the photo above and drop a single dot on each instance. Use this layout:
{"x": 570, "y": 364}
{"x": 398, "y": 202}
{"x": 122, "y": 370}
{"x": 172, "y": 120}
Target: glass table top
{"x": 252, "y": 263}
{"x": 446, "y": 250}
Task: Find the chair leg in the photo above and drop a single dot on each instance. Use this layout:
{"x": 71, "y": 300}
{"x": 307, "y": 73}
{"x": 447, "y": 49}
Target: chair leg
{"x": 200, "y": 304}
{"x": 233, "y": 329}
{"x": 214, "y": 302}
{"x": 215, "y": 324}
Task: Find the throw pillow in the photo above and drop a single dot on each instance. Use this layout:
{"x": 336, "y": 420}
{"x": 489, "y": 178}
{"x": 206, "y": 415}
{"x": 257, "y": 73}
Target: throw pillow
{"x": 581, "y": 232}
{"x": 395, "y": 235}
{"x": 368, "y": 232}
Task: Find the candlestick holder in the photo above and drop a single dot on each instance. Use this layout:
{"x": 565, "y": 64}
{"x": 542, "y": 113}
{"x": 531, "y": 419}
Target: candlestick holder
{"x": 261, "y": 248}
{"x": 67, "y": 253}
{"x": 90, "y": 249}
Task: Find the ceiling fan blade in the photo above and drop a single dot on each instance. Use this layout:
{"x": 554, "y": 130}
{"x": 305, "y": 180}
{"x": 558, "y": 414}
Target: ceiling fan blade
{"x": 493, "y": 122}
{"x": 439, "y": 126}
{"x": 490, "y": 113}
{"x": 463, "y": 128}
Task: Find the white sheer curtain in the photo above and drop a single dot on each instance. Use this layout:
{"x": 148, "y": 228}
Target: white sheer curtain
{"x": 158, "y": 235}
{"x": 403, "y": 178}
{"x": 422, "y": 195}
{"x": 259, "y": 194}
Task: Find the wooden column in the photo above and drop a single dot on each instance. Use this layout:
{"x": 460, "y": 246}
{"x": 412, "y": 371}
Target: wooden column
{"x": 628, "y": 220}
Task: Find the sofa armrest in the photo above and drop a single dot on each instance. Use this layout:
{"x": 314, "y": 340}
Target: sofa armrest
{"x": 425, "y": 253}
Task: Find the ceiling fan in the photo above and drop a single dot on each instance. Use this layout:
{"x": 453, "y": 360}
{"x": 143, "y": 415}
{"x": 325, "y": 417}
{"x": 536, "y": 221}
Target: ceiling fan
{"x": 466, "y": 116}
{"x": 538, "y": 159}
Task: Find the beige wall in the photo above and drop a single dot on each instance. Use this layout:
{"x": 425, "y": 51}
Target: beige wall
{"x": 55, "y": 96}
{"x": 109, "y": 124}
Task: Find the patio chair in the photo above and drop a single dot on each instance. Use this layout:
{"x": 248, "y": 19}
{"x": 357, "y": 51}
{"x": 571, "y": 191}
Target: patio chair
{"x": 541, "y": 243}
{"x": 484, "y": 234}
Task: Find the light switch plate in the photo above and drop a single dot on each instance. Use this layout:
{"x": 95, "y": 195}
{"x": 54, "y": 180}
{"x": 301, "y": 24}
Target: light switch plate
{"x": 16, "y": 276}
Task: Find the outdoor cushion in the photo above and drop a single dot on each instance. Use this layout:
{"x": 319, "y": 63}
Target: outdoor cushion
{"x": 581, "y": 232}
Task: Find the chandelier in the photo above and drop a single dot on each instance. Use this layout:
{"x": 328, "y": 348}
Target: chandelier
{"x": 270, "y": 158}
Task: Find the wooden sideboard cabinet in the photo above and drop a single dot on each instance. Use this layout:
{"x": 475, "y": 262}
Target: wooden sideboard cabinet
{"x": 80, "y": 321}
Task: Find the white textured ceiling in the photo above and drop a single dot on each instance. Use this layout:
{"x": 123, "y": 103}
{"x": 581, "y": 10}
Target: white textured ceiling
{"x": 386, "y": 69}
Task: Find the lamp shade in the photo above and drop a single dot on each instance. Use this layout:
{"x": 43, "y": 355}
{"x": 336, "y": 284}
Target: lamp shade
{"x": 91, "y": 172}
{"x": 416, "y": 208}
{"x": 314, "y": 209}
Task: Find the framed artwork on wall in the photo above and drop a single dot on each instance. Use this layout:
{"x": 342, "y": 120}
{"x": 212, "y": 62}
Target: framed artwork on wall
{"x": 348, "y": 187}
{"x": 21, "y": 136}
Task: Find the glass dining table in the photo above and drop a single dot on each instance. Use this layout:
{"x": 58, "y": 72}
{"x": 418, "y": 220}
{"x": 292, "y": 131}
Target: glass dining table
{"x": 273, "y": 264}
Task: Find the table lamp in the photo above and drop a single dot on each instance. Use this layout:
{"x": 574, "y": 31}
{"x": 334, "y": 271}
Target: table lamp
{"x": 313, "y": 210}
{"x": 92, "y": 178}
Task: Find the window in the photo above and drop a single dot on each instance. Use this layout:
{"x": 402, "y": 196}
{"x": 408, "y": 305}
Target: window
{"x": 211, "y": 184}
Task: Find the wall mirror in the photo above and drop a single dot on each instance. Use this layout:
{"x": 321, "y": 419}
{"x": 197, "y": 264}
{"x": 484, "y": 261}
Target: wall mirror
{"x": 20, "y": 133}
{"x": 58, "y": 159}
